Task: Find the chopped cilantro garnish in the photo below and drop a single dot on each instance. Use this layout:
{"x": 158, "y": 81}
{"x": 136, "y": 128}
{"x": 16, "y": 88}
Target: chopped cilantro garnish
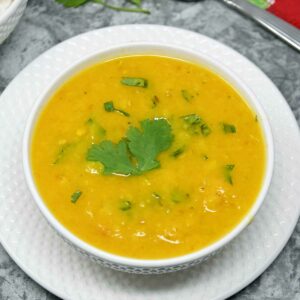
{"x": 155, "y": 101}
{"x": 137, "y": 82}
{"x": 177, "y": 152}
{"x": 96, "y": 131}
{"x": 195, "y": 125}
{"x": 192, "y": 119}
{"x": 143, "y": 146}
{"x": 229, "y": 167}
{"x": 62, "y": 152}
{"x": 229, "y": 128}
{"x": 125, "y": 205}
{"x": 75, "y": 196}
{"x": 109, "y": 107}
{"x": 178, "y": 196}
{"x": 186, "y": 95}
{"x": 205, "y": 130}
{"x": 89, "y": 121}
{"x": 228, "y": 173}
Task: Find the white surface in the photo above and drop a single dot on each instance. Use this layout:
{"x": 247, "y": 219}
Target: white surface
{"x": 47, "y": 259}
{"x": 11, "y": 12}
{"x": 140, "y": 266}
{"x": 4, "y": 5}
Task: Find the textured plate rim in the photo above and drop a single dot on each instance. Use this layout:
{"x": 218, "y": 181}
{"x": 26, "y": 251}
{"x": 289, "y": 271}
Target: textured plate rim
{"x": 267, "y": 263}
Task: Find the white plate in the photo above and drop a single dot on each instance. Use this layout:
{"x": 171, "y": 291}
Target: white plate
{"x": 59, "y": 268}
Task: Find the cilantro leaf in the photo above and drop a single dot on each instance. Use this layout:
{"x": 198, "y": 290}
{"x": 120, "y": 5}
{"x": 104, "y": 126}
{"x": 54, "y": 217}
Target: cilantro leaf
{"x": 196, "y": 125}
{"x": 178, "y": 152}
{"x": 142, "y": 145}
{"x": 137, "y": 82}
{"x": 125, "y": 205}
{"x": 205, "y": 129}
{"x": 156, "y": 136}
{"x": 228, "y": 173}
{"x": 109, "y": 107}
{"x": 75, "y": 196}
{"x": 186, "y": 95}
{"x": 229, "y": 128}
{"x": 114, "y": 157}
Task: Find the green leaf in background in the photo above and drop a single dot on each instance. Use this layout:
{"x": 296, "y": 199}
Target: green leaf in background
{"x": 137, "y": 3}
{"x": 122, "y": 8}
{"x": 72, "y": 3}
{"x": 264, "y": 4}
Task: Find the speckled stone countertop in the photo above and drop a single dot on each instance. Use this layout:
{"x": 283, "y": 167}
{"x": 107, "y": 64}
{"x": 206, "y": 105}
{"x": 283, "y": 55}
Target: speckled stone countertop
{"x": 46, "y": 23}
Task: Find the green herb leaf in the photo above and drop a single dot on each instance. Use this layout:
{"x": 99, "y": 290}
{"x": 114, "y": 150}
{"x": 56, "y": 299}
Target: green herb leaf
{"x": 146, "y": 144}
{"x": 122, "y": 8}
{"x": 114, "y": 157}
{"x": 125, "y": 205}
{"x": 264, "y": 4}
{"x": 109, "y": 107}
{"x": 63, "y": 150}
{"x": 229, "y": 167}
{"x": 137, "y": 82}
{"x": 76, "y": 3}
{"x": 72, "y": 3}
{"x": 228, "y": 173}
{"x": 178, "y": 196}
{"x": 155, "y": 101}
{"x": 138, "y": 3}
{"x": 75, "y": 196}
{"x": 195, "y": 124}
{"x": 177, "y": 152}
{"x": 204, "y": 157}
{"x": 96, "y": 131}
{"x": 186, "y": 95}
{"x": 205, "y": 130}
{"x": 192, "y": 119}
{"x": 229, "y": 128}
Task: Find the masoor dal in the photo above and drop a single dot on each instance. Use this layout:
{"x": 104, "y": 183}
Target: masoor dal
{"x": 208, "y": 156}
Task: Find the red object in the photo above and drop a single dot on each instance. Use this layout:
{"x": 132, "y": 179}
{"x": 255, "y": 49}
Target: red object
{"x": 288, "y": 10}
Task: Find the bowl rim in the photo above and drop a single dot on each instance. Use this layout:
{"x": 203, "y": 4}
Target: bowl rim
{"x": 84, "y": 63}
{"x": 10, "y": 10}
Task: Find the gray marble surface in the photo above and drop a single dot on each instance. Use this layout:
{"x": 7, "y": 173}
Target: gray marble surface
{"x": 46, "y": 23}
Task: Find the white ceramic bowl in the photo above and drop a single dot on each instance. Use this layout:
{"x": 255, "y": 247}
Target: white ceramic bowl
{"x": 143, "y": 266}
{"x": 10, "y": 18}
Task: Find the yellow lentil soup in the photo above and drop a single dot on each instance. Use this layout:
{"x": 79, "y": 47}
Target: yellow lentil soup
{"x": 148, "y": 157}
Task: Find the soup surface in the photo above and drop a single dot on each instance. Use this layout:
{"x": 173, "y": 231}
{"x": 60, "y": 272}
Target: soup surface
{"x": 148, "y": 156}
